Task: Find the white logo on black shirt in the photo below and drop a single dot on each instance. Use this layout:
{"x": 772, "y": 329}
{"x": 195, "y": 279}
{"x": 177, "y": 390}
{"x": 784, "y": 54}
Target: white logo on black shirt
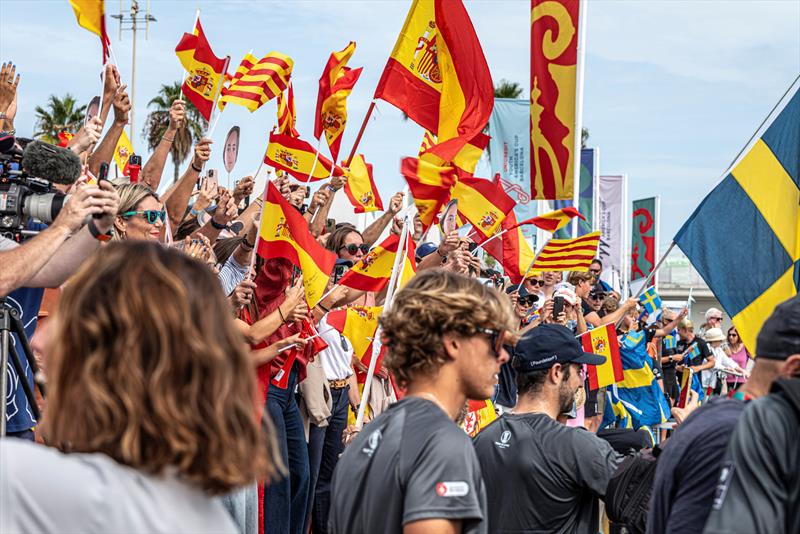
{"x": 725, "y": 476}
{"x": 372, "y": 443}
{"x": 505, "y": 437}
{"x": 452, "y": 489}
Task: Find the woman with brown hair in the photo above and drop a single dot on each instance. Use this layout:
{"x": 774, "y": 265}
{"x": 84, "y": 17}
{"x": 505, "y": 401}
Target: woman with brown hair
{"x": 150, "y": 407}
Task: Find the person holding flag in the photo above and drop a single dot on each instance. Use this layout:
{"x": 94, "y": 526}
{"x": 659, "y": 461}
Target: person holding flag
{"x": 693, "y": 352}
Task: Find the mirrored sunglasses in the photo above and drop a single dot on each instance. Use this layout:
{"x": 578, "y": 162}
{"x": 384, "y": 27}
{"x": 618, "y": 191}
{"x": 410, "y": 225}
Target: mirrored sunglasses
{"x": 151, "y": 216}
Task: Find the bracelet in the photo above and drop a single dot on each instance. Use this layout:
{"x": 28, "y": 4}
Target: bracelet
{"x": 95, "y": 232}
{"x": 217, "y": 225}
{"x": 247, "y": 245}
{"x": 170, "y": 140}
{"x": 12, "y": 132}
{"x": 323, "y": 308}
{"x": 195, "y": 169}
{"x": 281, "y": 314}
{"x": 443, "y": 256}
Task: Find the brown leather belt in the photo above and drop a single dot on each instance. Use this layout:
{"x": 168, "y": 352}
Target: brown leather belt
{"x": 340, "y": 383}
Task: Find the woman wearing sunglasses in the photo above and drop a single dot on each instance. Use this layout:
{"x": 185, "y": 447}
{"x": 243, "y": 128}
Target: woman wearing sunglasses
{"x": 141, "y": 215}
{"x": 740, "y": 355}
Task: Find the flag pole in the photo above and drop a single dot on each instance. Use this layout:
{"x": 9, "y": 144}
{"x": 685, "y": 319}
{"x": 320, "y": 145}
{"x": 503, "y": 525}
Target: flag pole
{"x": 185, "y": 72}
{"x": 399, "y": 261}
{"x": 316, "y": 160}
{"x": 360, "y": 133}
{"x": 495, "y": 236}
{"x": 210, "y": 131}
{"x": 650, "y": 276}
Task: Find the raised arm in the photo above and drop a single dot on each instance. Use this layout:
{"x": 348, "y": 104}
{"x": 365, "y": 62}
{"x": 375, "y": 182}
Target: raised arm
{"x": 177, "y": 198}
{"x": 374, "y": 230}
{"x": 105, "y": 150}
{"x": 613, "y": 317}
{"x": 321, "y": 214}
{"x": 154, "y": 168}
{"x": 665, "y": 330}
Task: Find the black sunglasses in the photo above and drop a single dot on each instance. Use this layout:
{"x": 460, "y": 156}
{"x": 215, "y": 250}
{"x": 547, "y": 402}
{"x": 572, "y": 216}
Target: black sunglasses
{"x": 533, "y": 282}
{"x": 495, "y": 339}
{"x": 352, "y": 248}
{"x": 528, "y": 300}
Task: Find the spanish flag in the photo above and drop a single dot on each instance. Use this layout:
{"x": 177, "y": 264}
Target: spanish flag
{"x": 511, "y": 249}
{"x": 335, "y": 85}
{"x": 287, "y": 117}
{"x": 295, "y": 156}
{"x": 430, "y": 186}
{"x": 568, "y": 254}
{"x": 360, "y": 186}
{"x": 479, "y": 415}
{"x": 554, "y": 220}
{"x": 465, "y": 160}
{"x": 358, "y": 324}
{"x": 206, "y": 71}
{"x": 91, "y": 14}
{"x": 483, "y": 203}
{"x": 122, "y": 153}
{"x": 257, "y": 81}
{"x": 603, "y": 341}
{"x": 437, "y": 74}
{"x": 373, "y": 271}
{"x": 284, "y": 234}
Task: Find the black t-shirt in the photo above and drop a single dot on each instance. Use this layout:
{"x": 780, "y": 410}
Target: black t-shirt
{"x": 689, "y": 466}
{"x": 705, "y": 352}
{"x": 542, "y": 476}
{"x": 409, "y": 464}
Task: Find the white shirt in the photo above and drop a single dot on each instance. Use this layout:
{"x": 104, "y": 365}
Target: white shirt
{"x": 45, "y": 490}
{"x": 721, "y": 362}
{"x": 336, "y": 360}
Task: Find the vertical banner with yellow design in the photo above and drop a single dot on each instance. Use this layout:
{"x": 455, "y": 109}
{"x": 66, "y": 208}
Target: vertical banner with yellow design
{"x": 555, "y": 98}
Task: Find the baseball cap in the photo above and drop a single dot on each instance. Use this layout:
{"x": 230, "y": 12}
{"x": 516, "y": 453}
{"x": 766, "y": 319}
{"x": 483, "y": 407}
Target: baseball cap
{"x": 425, "y": 249}
{"x": 779, "y": 337}
{"x": 548, "y": 344}
{"x": 568, "y": 292}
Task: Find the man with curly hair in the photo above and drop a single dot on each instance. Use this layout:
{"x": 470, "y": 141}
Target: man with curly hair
{"x": 412, "y": 470}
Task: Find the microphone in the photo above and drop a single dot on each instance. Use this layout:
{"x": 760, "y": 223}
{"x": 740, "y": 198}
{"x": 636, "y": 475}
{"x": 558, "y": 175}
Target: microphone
{"x": 54, "y": 164}
{"x": 7, "y": 144}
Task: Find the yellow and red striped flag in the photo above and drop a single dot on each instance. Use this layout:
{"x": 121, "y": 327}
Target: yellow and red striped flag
{"x": 335, "y": 85}
{"x": 479, "y": 415}
{"x": 91, "y": 15}
{"x": 122, "y": 153}
{"x": 295, "y": 156}
{"x": 438, "y": 75}
{"x": 429, "y": 185}
{"x": 206, "y": 71}
{"x": 257, "y": 81}
{"x": 603, "y": 341}
{"x": 358, "y": 324}
{"x": 284, "y": 234}
{"x": 372, "y": 272}
{"x": 483, "y": 203}
{"x": 287, "y": 117}
{"x": 554, "y": 220}
{"x": 568, "y": 254}
{"x": 360, "y": 186}
{"x": 428, "y": 140}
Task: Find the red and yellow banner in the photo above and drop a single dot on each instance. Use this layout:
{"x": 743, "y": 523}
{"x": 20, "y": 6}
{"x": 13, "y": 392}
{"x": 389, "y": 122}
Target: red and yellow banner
{"x": 603, "y": 341}
{"x": 554, "y": 93}
{"x": 429, "y": 185}
{"x": 554, "y": 220}
{"x": 257, "y": 81}
{"x": 479, "y": 415}
{"x": 358, "y": 324}
{"x": 205, "y": 70}
{"x": 483, "y": 203}
{"x": 284, "y": 234}
{"x": 360, "y": 186}
{"x": 335, "y": 85}
{"x": 295, "y": 156}
{"x": 373, "y": 271}
{"x": 287, "y": 117}
{"x": 568, "y": 254}
{"x": 437, "y": 74}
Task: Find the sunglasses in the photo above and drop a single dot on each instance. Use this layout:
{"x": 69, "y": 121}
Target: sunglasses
{"x": 597, "y": 297}
{"x": 733, "y": 335}
{"x": 535, "y": 283}
{"x": 495, "y": 339}
{"x": 594, "y": 271}
{"x": 352, "y": 249}
{"x": 527, "y": 300}
{"x": 715, "y": 319}
{"x": 151, "y": 216}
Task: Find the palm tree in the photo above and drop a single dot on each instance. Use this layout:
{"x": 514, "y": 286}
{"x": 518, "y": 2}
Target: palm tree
{"x": 158, "y": 120}
{"x": 61, "y": 114}
{"x": 506, "y": 89}
{"x": 584, "y": 136}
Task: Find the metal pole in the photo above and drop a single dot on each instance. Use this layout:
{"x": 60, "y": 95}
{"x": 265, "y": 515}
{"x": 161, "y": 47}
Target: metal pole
{"x": 134, "y": 13}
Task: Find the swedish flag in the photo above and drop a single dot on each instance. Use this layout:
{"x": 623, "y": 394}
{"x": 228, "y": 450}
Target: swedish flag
{"x": 651, "y": 302}
{"x": 671, "y": 340}
{"x": 758, "y": 203}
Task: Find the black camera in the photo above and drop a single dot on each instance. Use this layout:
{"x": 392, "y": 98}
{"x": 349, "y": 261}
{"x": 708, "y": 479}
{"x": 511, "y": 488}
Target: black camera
{"x": 342, "y": 266}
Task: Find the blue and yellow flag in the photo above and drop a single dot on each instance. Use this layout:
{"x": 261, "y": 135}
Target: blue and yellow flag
{"x": 651, "y": 302}
{"x": 759, "y": 200}
{"x": 671, "y": 340}
{"x": 615, "y": 410}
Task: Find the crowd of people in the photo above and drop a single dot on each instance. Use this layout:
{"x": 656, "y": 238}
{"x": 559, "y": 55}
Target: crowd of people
{"x": 190, "y": 387}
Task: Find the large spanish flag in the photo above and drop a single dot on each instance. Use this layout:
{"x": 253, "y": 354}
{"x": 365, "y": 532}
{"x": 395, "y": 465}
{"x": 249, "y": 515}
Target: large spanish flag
{"x": 483, "y": 203}
{"x": 554, "y": 94}
{"x": 429, "y": 185}
{"x": 257, "y": 81}
{"x": 335, "y": 85}
{"x": 295, "y": 156}
{"x": 358, "y": 324}
{"x": 284, "y": 234}
{"x": 287, "y": 116}
{"x": 205, "y": 70}
{"x": 373, "y": 271}
{"x": 91, "y": 14}
{"x": 437, "y": 74}
{"x": 603, "y": 341}
{"x": 360, "y": 187}
{"x": 568, "y": 254}
{"x": 479, "y": 415}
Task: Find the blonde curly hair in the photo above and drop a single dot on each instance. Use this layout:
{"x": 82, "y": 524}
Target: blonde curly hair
{"x": 435, "y": 303}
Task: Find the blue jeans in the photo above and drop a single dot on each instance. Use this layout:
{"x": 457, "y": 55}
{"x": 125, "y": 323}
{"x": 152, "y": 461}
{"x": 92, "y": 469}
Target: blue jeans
{"x": 285, "y": 500}
{"x": 324, "y": 448}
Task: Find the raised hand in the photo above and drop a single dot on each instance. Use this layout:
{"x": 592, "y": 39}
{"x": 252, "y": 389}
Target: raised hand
{"x": 202, "y": 152}
{"x": 243, "y": 189}
{"x": 396, "y": 203}
{"x": 87, "y": 136}
{"x": 9, "y": 80}
{"x": 177, "y": 116}
{"x": 122, "y": 105}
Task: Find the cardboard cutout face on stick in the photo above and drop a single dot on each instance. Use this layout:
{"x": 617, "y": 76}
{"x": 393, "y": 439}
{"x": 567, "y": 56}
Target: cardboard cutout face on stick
{"x": 448, "y": 221}
{"x": 231, "y": 151}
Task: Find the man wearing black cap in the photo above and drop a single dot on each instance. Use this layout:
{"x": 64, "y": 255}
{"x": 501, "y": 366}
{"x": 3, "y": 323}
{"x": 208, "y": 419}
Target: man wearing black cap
{"x": 692, "y": 459}
{"x": 759, "y": 484}
{"x": 541, "y": 475}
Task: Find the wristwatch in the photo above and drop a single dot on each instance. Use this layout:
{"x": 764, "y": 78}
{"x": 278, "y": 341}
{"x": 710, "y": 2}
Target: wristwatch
{"x": 96, "y": 232}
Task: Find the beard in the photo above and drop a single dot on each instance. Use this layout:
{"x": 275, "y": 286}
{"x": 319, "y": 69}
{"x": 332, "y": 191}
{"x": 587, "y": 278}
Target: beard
{"x": 566, "y": 396}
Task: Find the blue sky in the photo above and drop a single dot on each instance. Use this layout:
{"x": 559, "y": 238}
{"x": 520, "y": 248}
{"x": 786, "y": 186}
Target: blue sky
{"x": 673, "y": 89}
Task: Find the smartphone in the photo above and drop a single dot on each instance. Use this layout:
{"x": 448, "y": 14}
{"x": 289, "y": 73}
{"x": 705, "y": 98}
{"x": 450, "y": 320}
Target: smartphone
{"x": 558, "y": 307}
{"x": 342, "y": 266}
{"x": 103, "y": 173}
{"x": 212, "y": 179}
{"x": 330, "y": 225}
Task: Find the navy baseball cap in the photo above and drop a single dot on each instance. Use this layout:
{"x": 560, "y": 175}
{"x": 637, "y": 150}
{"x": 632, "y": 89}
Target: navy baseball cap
{"x": 425, "y": 249}
{"x": 522, "y": 291}
{"x": 549, "y": 344}
{"x": 779, "y": 337}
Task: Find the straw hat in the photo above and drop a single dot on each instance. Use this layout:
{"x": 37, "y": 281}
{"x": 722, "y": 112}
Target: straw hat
{"x": 714, "y": 334}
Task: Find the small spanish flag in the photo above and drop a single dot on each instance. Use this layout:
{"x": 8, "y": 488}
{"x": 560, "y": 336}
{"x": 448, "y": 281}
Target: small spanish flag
{"x": 358, "y": 324}
{"x": 284, "y": 234}
{"x": 64, "y": 137}
{"x": 554, "y": 220}
{"x": 568, "y": 254}
{"x": 430, "y": 186}
{"x": 257, "y": 81}
{"x": 335, "y": 85}
{"x": 360, "y": 186}
{"x": 479, "y": 415}
{"x": 122, "y": 153}
{"x": 206, "y": 71}
{"x": 603, "y": 341}
{"x": 295, "y": 156}
{"x": 483, "y": 203}
{"x": 287, "y": 116}
{"x": 373, "y": 271}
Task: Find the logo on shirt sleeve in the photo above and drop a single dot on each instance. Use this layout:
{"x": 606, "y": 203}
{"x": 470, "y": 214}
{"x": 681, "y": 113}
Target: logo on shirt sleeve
{"x": 452, "y": 489}
{"x": 725, "y": 475}
{"x": 373, "y": 441}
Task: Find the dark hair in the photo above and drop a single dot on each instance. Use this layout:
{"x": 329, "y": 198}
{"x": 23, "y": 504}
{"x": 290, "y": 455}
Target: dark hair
{"x": 336, "y": 239}
{"x": 224, "y": 248}
{"x": 531, "y": 382}
{"x": 187, "y": 227}
{"x": 598, "y": 262}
